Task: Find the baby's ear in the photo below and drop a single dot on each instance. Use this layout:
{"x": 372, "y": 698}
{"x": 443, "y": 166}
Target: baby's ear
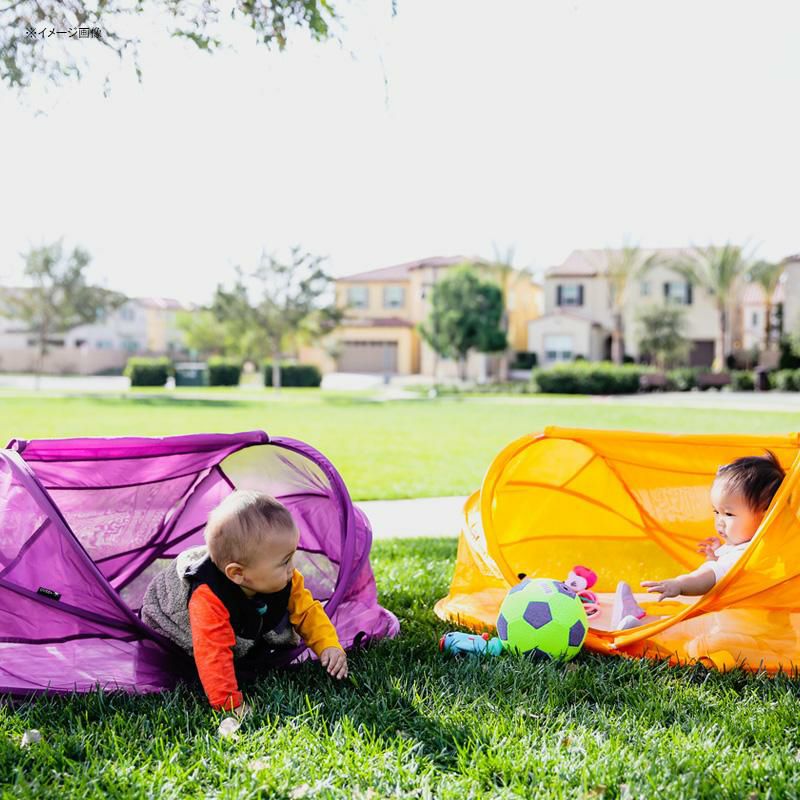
{"x": 234, "y": 572}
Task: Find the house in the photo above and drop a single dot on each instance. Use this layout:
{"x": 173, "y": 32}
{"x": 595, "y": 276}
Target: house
{"x": 141, "y": 326}
{"x": 791, "y": 294}
{"x": 383, "y": 308}
{"x": 577, "y": 319}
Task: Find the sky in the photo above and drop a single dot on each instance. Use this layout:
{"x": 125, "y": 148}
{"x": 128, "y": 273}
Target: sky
{"x": 454, "y": 127}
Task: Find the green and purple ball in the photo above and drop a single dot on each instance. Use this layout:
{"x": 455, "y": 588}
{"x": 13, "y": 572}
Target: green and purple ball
{"x": 542, "y": 617}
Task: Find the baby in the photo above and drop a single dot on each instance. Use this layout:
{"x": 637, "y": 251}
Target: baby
{"x": 740, "y": 496}
{"x": 229, "y": 603}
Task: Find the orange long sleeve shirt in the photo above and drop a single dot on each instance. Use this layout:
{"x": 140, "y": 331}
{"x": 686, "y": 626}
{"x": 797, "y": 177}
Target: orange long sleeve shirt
{"x": 213, "y": 638}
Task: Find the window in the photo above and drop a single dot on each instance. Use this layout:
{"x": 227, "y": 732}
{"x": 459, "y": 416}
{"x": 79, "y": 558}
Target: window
{"x": 131, "y": 345}
{"x": 557, "y": 347}
{"x": 678, "y": 292}
{"x": 426, "y": 290}
{"x": 127, "y": 313}
{"x": 358, "y": 296}
{"x": 754, "y": 322}
{"x": 569, "y": 294}
{"x": 104, "y": 344}
{"x": 394, "y": 296}
{"x": 644, "y": 288}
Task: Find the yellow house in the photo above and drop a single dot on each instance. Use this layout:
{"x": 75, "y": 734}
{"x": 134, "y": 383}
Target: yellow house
{"x": 384, "y": 306}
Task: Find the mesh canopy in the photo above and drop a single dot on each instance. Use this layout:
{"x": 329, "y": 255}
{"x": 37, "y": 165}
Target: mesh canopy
{"x": 86, "y": 523}
{"x": 632, "y": 506}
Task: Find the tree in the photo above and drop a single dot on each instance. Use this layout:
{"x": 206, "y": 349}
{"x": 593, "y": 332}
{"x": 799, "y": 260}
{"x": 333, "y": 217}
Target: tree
{"x": 718, "y": 270}
{"x": 465, "y": 314}
{"x": 623, "y": 266}
{"x": 662, "y": 335}
{"x": 25, "y": 52}
{"x": 205, "y": 334}
{"x": 286, "y": 307}
{"x": 767, "y": 275}
{"x": 501, "y": 269}
{"x": 59, "y": 298}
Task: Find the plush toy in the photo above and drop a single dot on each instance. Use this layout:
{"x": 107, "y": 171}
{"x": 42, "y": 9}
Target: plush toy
{"x": 456, "y": 642}
{"x": 580, "y": 580}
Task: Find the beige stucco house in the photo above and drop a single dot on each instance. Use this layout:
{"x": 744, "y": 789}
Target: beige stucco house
{"x": 383, "y": 308}
{"x": 578, "y": 316}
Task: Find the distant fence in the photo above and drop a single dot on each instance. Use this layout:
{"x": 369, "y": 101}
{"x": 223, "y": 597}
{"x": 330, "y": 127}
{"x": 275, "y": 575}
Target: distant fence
{"x": 62, "y": 360}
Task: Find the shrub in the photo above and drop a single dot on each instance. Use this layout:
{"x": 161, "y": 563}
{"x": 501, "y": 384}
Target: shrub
{"x": 742, "y": 381}
{"x": 148, "y": 371}
{"x": 785, "y": 380}
{"x": 789, "y": 353}
{"x": 294, "y": 375}
{"x": 224, "y": 371}
{"x": 589, "y": 378}
{"x": 524, "y": 360}
{"x": 683, "y": 379}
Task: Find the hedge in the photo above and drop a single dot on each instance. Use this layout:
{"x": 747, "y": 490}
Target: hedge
{"x": 742, "y": 381}
{"x": 294, "y": 375}
{"x": 683, "y": 379}
{"x": 148, "y": 371}
{"x": 785, "y": 380}
{"x": 224, "y": 371}
{"x": 589, "y": 377}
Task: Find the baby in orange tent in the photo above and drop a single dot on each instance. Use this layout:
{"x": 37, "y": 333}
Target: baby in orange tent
{"x": 740, "y": 495}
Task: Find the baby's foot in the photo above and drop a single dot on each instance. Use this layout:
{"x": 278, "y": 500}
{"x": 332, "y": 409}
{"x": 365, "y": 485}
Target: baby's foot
{"x": 625, "y": 605}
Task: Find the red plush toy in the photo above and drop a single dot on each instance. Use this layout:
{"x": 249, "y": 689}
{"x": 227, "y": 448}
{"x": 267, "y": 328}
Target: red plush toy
{"x": 580, "y": 580}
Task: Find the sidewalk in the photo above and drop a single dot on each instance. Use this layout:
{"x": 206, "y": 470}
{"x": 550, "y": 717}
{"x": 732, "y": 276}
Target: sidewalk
{"x": 426, "y": 516}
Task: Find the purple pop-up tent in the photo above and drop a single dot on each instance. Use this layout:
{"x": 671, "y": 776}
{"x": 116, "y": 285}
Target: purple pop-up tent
{"x": 86, "y": 523}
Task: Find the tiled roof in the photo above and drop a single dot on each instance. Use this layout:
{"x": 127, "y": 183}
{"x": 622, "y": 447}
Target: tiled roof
{"x": 588, "y": 263}
{"x": 164, "y": 303}
{"x": 400, "y": 272}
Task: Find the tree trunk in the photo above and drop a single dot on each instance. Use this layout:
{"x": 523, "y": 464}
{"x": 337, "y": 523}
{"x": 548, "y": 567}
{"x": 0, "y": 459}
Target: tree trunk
{"x": 276, "y": 369}
{"x": 768, "y": 324}
{"x": 462, "y": 366}
{"x": 719, "y": 347}
{"x": 40, "y": 360}
{"x": 617, "y": 348}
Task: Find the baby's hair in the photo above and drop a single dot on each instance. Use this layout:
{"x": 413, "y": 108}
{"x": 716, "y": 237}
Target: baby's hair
{"x": 241, "y": 523}
{"x": 756, "y": 478}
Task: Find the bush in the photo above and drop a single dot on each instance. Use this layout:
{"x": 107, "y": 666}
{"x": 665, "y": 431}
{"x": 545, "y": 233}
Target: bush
{"x": 524, "y": 360}
{"x": 785, "y": 380}
{"x": 683, "y": 379}
{"x": 294, "y": 375}
{"x": 589, "y": 378}
{"x": 742, "y": 381}
{"x": 148, "y": 371}
{"x": 224, "y": 371}
{"x": 789, "y": 354}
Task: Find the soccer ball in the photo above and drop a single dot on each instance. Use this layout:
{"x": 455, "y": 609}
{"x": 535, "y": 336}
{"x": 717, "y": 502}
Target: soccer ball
{"x": 542, "y": 618}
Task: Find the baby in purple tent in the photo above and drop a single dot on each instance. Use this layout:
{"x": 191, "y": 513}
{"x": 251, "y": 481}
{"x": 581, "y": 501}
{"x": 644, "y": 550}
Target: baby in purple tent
{"x": 238, "y": 597}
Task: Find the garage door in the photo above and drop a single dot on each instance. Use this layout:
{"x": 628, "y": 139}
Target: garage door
{"x": 368, "y": 357}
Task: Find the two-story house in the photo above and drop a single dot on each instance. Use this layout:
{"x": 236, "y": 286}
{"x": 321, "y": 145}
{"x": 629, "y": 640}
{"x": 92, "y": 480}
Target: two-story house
{"x": 143, "y": 326}
{"x": 383, "y": 308}
{"x": 578, "y": 313}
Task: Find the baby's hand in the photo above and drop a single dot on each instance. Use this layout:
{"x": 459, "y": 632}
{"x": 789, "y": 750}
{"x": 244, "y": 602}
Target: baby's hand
{"x": 708, "y": 547}
{"x": 334, "y": 660}
{"x": 670, "y": 587}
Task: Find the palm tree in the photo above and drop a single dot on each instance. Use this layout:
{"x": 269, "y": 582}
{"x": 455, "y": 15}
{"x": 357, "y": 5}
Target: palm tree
{"x": 623, "y": 266}
{"x": 718, "y": 270}
{"x": 767, "y": 275}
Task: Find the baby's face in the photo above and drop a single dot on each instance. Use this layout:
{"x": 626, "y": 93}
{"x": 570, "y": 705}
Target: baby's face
{"x": 734, "y": 520}
{"x": 273, "y": 566}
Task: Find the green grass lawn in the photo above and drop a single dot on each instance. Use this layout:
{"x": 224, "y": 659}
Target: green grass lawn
{"x": 413, "y": 723}
{"x": 412, "y": 448}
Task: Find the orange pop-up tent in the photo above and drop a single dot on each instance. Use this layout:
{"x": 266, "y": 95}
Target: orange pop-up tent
{"x": 632, "y": 506}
